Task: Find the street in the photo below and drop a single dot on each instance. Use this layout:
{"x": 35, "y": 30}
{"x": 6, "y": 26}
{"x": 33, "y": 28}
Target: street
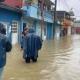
{"x": 59, "y": 59}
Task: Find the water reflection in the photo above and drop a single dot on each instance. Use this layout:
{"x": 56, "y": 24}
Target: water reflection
{"x": 58, "y": 60}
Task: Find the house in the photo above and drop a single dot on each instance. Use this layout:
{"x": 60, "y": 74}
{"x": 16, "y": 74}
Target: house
{"x": 64, "y": 20}
{"x": 37, "y": 14}
{"x": 17, "y": 14}
{"x": 10, "y": 16}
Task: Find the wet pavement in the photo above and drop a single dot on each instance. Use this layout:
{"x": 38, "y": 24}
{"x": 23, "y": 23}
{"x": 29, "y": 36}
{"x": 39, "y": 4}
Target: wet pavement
{"x": 59, "y": 59}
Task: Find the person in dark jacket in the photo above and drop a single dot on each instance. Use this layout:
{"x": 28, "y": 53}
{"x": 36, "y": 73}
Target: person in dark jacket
{"x": 5, "y": 46}
{"x": 32, "y": 44}
{"x": 25, "y": 31}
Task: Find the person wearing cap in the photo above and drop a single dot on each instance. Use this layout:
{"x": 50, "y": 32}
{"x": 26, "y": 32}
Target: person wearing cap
{"x": 5, "y": 46}
{"x": 32, "y": 44}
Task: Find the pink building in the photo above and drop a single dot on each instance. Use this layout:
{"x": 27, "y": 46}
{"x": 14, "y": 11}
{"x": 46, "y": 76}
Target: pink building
{"x": 14, "y": 3}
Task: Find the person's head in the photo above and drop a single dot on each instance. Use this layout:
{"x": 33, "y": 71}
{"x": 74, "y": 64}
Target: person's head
{"x": 25, "y": 30}
{"x": 2, "y": 29}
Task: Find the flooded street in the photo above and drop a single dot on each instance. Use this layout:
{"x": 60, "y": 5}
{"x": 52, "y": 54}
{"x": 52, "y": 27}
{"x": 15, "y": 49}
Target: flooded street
{"x": 59, "y": 59}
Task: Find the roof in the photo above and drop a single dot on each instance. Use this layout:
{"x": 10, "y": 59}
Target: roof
{"x": 2, "y": 5}
{"x": 60, "y": 15}
{"x": 63, "y": 12}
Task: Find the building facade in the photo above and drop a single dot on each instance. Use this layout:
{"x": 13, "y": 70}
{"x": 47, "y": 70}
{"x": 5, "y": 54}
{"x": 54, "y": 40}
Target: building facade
{"x": 64, "y": 20}
{"x": 18, "y": 14}
{"x": 37, "y": 14}
{"x": 10, "y": 16}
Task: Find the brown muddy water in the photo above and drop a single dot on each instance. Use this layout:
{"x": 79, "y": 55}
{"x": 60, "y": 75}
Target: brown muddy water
{"x": 59, "y": 59}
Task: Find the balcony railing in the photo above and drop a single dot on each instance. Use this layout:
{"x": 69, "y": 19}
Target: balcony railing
{"x": 35, "y": 12}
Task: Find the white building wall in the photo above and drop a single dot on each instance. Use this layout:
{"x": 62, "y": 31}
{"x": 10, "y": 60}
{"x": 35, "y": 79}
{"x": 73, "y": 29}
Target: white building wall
{"x": 69, "y": 31}
{"x": 76, "y": 24}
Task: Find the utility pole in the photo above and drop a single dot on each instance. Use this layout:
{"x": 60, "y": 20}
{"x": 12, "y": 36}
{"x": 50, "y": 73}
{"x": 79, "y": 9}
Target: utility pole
{"x": 54, "y": 18}
{"x": 42, "y": 16}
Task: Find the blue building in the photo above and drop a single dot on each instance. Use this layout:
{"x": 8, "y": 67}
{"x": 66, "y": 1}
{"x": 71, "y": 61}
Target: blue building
{"x": 16, "y": 19}
{"x": 32, "y": 17}
{"x": 11, "y": 18}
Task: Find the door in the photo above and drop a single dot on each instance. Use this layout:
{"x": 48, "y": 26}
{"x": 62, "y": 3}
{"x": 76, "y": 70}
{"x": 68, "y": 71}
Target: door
{"x": 57, "y": 32}
{"x": 14, "y": 32}
{"x": 40, "y": 32}
{"x": 24, "y": 25}
{"x": 69, "y": 30}
{"x": 49, "y": 31}
{"x": 38, "y": 29}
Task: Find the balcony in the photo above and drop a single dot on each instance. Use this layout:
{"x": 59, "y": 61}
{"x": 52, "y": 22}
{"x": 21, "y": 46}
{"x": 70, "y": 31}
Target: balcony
{"x": 34, "y": 12}
{"x": 48, "y": 16}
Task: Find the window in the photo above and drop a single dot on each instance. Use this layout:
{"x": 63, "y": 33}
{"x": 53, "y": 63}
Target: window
{"x": 14, "y": 27}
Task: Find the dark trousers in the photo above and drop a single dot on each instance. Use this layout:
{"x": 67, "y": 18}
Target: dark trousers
{"x": 32, "y": 58}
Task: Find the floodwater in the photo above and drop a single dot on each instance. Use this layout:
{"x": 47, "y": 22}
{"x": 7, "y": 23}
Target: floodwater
{"x": 59, "y": 59}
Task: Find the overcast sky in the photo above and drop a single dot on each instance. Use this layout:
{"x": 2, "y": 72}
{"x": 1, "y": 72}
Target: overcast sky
{"x": 68, "y": 5}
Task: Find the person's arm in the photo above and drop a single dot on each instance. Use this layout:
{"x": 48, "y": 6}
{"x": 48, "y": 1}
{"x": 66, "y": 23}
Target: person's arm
{"x": 39, "y": 43}
{"x": 8, "y": 46}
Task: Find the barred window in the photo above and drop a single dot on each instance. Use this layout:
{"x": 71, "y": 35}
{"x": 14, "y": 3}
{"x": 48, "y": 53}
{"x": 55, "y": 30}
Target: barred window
{"x": 14, "y": 27}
